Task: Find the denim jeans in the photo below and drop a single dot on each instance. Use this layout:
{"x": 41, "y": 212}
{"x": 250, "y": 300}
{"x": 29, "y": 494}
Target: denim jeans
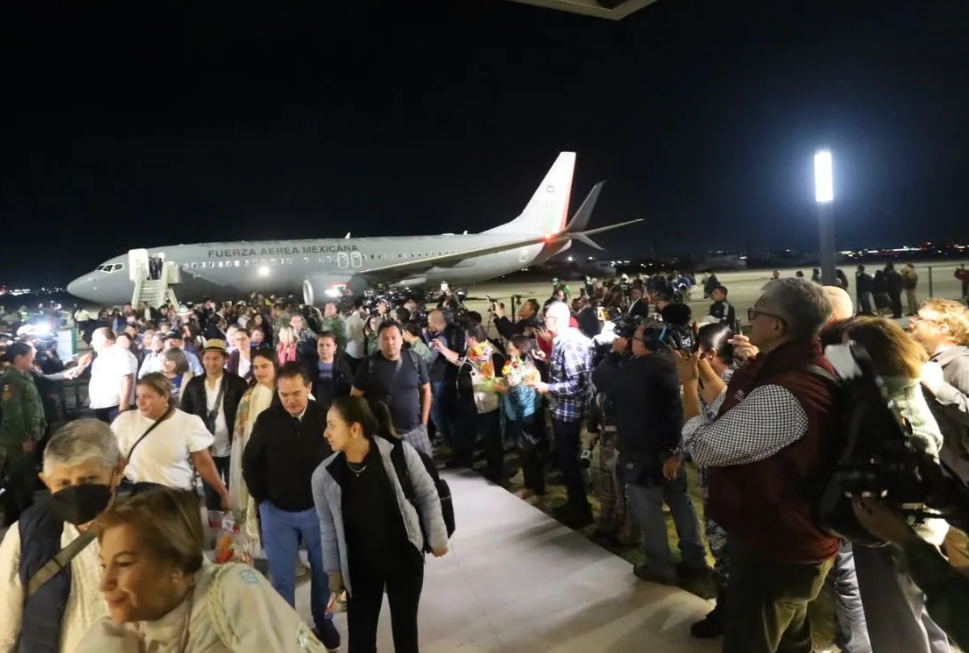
{"x": 441, "y": 408}
{"x": 851, "y": 631}
{"x": 282, "y": 533}
{"x": 647, "y": 505}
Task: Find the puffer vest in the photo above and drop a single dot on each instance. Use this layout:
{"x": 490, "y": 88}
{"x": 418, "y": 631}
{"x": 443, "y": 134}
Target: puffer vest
{"x": 43, "y": 615}
{"x": 763, "y": 505}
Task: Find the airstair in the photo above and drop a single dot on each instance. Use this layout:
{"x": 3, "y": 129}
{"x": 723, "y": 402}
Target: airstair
{"x": 153, "y": 278}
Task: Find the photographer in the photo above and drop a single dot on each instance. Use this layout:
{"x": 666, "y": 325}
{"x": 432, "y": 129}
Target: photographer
{"x": 884, "y": 589}
{"x": 528, "y": 318}
{"x": 649, "y": 417}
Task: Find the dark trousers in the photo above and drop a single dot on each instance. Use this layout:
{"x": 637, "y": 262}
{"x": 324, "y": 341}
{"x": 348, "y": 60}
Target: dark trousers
{"x": 465, "y": 435}
{"x": 441, "y": 409}
{"x": 489, "y": 426}
{"x": 403, "y": 577}
{"x": 568, "y": 448}
{"x": 107, "y": 415}
{"x": 896, "y": 299}
{"x": 21, "y": 479}
{"x": 864, "y": 302}
{"x": 530, "y": 450}
{"x": 767, "y": 610}
{"x": 213, "y": 502}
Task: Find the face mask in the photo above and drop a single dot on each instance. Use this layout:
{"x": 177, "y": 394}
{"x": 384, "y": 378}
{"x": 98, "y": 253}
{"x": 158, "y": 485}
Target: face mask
{"x": 80, "y": 504}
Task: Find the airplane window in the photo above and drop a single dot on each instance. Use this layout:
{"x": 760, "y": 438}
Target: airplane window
{"x": 371, "y": 257}
{"x": 306, "y": 259}
{"x": 246, "y": 263}
{"x": 272, "y": 261}
{"x": 262, "y": 262}
{"x": 289, "y": 261}
{"x": 220, "y": 264}
{"x": 329, "y": 259}
{"x": 193, "y": 265}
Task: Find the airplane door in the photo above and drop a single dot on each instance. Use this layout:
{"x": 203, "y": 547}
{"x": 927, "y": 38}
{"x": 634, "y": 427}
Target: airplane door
{"x": 356, "y": 260}
{"x": 343, "y": 260}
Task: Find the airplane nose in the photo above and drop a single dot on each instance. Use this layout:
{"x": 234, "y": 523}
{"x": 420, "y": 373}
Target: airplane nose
{"x": 75, "y": 288}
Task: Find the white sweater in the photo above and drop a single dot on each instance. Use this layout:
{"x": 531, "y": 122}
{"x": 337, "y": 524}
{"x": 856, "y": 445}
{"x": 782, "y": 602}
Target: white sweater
{"x": 233, "y": 610}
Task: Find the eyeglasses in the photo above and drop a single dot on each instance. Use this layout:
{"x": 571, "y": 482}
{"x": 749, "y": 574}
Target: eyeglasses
{"x": 753, "y": 312}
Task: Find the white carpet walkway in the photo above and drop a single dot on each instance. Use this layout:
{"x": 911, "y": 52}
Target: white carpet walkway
{"x": 518, "y": 581}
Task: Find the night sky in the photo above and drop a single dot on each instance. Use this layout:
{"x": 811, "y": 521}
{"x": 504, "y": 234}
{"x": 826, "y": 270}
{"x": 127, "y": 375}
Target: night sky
{"x": 128, "y": 126}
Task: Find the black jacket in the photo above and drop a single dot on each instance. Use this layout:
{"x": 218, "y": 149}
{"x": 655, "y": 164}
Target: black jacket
{"x": 645, "y": 393}
{"x": 195, "y": 402}
{"x": 339, "y": 386}
{"x": 282, "y": 454}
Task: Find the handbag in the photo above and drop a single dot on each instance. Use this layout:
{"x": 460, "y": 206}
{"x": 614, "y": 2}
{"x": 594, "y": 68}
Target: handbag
{"x": 127, "y": 485}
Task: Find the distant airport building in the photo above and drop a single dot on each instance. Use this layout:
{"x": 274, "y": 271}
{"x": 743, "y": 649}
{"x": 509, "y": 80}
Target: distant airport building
{"x": 610, "y": 9}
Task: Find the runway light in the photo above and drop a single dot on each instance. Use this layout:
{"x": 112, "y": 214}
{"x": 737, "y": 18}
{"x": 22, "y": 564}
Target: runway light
{"x": 823, "y": 177}
{"x": 264, "y": 271}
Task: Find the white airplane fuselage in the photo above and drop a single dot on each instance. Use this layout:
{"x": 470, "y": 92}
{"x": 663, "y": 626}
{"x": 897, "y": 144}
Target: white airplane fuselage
{"x": 231, "y": 270}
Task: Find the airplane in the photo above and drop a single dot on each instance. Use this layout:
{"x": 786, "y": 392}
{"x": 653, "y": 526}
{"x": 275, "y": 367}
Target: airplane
{"x": 327, "y": 268}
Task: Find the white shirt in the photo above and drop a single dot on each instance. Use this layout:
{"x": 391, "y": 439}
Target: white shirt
{"x": 154, "y": 362}
{"x": 164, "y": 456}
{"x": 85, "y": 605}
{"x": 356, "y": 346}
{"x": 223, "y": 446}
{"x": 244, "y": 366}
{"x": 112, "y": 364}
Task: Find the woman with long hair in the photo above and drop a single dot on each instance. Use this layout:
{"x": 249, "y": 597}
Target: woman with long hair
{"x": 256, "y": 399}
{"x": 163, "y": 595}
{"x": 373, "y": 534}
{"x": 885, "y": 588}
{"x": 287, "y": 350}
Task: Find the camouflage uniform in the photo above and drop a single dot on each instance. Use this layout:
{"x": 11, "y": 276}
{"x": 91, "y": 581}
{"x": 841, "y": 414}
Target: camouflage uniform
{"x": 338, "y": 327}
{"x": 22, "y": 422}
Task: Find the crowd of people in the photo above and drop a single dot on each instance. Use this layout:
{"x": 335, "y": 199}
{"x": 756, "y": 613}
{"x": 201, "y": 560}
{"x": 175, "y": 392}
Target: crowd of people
{"x": 314, "y": 429}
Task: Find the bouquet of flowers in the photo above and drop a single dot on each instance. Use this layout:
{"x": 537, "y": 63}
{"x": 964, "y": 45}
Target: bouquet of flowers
{"x": 517, "y": 371}
{"x": 480, "y": 357}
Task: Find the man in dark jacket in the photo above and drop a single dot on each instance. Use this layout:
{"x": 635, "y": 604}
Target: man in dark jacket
{"x": 649, "y": 416}
{"x": 896, "y": 284}
{"x": 863, "y": 287}
{"x": 527, "y": 316}
{"x": 215, "y": 398}
{"x": 286, "y": 447}
{"x": 333, "y": 376}
{"x": 776, "y": 425}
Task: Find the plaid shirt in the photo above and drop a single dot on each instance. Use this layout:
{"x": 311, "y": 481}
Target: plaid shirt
{"x": 570, "y": 376}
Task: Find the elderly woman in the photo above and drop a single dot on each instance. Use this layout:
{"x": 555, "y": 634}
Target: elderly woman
{"x": 163, "y": 595}
{"x": 48, "y": 561}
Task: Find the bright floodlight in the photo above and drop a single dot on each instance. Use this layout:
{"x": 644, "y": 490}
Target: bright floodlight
{"x": 823, "y": 177}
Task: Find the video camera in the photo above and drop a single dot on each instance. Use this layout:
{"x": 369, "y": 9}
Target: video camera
{"x": 879, "y": 457}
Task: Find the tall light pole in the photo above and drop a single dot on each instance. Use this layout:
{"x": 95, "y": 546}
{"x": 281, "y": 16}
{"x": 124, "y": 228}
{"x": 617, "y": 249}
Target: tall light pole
{"x": 824, "y": 196}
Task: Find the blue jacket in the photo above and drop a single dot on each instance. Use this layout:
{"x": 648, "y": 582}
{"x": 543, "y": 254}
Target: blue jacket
{"x": 328, "y": 497}
{"x": 43, "y": 615}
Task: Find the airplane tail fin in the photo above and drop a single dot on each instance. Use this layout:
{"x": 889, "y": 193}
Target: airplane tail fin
{"x": 548, "y": 209}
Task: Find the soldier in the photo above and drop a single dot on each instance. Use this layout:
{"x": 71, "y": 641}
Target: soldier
{"x": 335, "y": 324}
{"x": 22, "y": 427}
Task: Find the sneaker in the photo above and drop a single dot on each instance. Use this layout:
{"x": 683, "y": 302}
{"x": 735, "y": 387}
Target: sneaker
{"x": 328, "y": 635}
{"x": 643, "y": 572}
{"x": 301, "y": 569}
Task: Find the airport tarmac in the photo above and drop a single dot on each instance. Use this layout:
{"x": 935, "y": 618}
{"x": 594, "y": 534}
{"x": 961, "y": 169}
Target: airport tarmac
{"x": 744, "y": 286}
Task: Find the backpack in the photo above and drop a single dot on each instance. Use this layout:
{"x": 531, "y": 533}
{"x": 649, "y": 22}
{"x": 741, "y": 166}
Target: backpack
{"x": 872, "y": 452}
{"x": 443, "y": 490}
